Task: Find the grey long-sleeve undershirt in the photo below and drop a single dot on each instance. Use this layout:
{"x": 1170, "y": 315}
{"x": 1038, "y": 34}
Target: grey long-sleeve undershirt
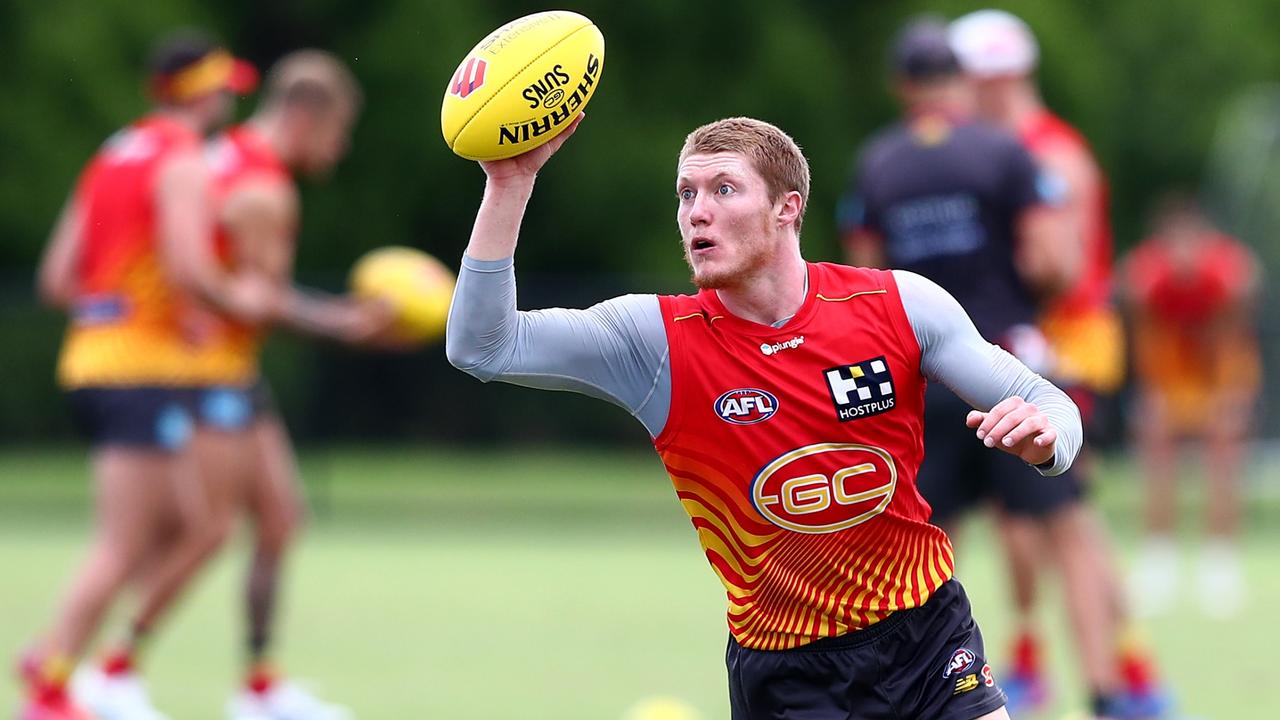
{"x": 617, "y": 350}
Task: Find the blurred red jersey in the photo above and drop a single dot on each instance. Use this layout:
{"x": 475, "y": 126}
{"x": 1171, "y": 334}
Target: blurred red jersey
{"x": 127, "y": 321}
{"x": 1194, "y": 292}
{"x": 1093, "y": 288}
{"x": 1084, "y": 331}
{"x": 795, "y": 451}
{"x": 1192, "y": 338}
{"x": 238, "y": 157}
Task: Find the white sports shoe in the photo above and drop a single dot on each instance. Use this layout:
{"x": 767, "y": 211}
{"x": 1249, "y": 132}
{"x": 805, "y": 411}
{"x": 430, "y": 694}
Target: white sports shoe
{"x": 283, "y": 701}
{"x": 120, "y": 696}
{"x": 1153, "y": 587}
{"x": 1220, "y": 579}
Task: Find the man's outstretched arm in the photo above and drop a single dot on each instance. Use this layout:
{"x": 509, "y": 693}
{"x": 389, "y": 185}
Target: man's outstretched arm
{"x": 1017, "y": 411}
{"x": 616, "y": 350}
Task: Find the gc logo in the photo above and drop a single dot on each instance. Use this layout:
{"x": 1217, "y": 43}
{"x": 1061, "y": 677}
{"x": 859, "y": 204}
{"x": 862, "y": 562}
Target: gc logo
{"x": 825, "y": 487}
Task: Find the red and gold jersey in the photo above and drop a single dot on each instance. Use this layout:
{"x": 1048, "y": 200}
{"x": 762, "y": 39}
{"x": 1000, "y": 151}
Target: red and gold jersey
{"x": 1082, "y": 327}
{"x": 1195, "y": 291}
{"x": 237, "y": 157}
{"x": 1191, "y": 339}
{"x": 127, "y": 324}
{"x": 795, "y": 451}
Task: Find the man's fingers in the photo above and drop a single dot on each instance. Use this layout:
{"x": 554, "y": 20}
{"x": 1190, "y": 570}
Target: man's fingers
{"x": 1004, "y": 417}
{"x": 1009, "y": 421}
{"x": 560, "y": 139}
{"x": 1047, "y": 437}
{"x": 974, "y": 418}
{"x": 996, "y": 414}
{"x": 1029, "y": 427}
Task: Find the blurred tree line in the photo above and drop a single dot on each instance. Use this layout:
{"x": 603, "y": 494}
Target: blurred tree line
{"x": 1144, "y": 81}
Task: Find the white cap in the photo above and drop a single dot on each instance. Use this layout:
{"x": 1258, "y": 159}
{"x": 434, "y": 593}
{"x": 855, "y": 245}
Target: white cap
{"x": 990, "y": 43}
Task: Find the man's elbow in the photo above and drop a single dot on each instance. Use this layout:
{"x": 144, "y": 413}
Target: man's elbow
{"x": 57, "y": 295}
{"x": 465, "y": 354}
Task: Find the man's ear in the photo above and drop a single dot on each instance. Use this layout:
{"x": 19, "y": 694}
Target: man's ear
{"x": 792, "y": 204}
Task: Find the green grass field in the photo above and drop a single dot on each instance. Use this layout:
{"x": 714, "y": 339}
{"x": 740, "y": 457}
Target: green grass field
{"x": 547, "y": 584}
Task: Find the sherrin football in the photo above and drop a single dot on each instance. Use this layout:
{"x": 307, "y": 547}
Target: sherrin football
{"x": 418, "y": 287}
{"x": 522, "y": 85}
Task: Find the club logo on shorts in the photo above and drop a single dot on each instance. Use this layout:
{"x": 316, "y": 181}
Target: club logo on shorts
{"x": 987, "y": 678}
{"x": 825, "y": 487}
{"x": 746, "y": 406}
{"x": 961, "y": 661}
{"x": 965, "y": 684}
{"x": 468, "y": 78}
{"x": 860, "y": 390}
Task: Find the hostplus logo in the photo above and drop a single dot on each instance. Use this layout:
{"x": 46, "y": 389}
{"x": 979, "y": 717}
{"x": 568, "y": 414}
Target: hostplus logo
{"x": 775, "y": 348}
{"x": 860, "y": 389}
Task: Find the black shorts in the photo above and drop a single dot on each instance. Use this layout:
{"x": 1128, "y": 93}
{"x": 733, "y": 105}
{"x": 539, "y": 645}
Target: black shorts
{"x": 959, "y": 472}
{"x": 158, "y": 418}
{"x": 164, "y": 418}
{"x": 927, "y": 663}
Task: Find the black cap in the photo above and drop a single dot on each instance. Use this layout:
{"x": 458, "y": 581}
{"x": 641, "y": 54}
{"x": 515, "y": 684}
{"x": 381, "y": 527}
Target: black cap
{"x": 188, "y": 63}
{"x": 921, "y": 50}
{"x": 179, "y": 50}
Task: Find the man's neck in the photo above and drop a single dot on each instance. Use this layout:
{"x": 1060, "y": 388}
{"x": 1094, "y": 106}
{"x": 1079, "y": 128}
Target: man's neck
{"x": 1019, "y": 107}
{"x": 269, "y": 127}
{"x": 772, "y": 295}
{"x": 183, "y": 116}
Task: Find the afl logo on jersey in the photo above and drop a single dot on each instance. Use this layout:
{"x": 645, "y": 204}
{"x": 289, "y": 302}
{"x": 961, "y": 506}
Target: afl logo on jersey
{"x": 746, "y": 406}
{"x": 825, "y": 487}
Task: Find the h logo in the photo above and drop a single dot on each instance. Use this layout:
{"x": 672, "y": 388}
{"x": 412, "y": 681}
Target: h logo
{"x": 861, "y": 389}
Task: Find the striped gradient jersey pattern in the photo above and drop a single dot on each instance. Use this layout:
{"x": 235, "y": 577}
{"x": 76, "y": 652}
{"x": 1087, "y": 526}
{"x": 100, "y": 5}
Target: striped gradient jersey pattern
{"x": 126, "y": 324}
{"x": 237, "y": 158}
{"x": 794, "y": 451}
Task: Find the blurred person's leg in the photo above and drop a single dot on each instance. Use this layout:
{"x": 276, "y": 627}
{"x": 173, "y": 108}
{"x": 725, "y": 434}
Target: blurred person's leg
{"x": 198, "y": 512}
{"x": 276, "y": 506}
{"x": 1219, "y": 574}
{"x": 1047, "y": 521}
{"x": 1154, "y": 583}
{"x": 1088, "y": 596}
{"x": 1022, "y": 540}
{"x": 205, "y": 507}
{"x": 140, "y": 438}
{"x": 130, "y": 488}
{"x": 1026, "y": 503}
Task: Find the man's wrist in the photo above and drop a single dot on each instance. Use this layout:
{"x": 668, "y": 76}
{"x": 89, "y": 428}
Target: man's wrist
{"x": 513, "y": 184}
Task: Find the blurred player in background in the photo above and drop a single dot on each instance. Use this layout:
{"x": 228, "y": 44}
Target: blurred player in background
{"x": 1085, "y": 355}
{"x": 302, "y": 125}
{"x": 127, "y": 260}
{"x": 1190, "y": 290}
{"x": 786, "y": 400}
{"x": 964, "y": 204}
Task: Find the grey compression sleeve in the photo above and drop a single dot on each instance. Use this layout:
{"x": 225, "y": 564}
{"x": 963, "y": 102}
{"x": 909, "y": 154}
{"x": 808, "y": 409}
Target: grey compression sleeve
{"x": 953, "y": 353}
{"x": 617, "y": 350}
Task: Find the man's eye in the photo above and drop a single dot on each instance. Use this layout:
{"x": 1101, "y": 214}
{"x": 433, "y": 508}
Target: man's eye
{"x": 686, "y": 194}
{"x": 724, "y": 189}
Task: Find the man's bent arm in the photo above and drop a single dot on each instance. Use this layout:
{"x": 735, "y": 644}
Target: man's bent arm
{"x": 954, "y": 353}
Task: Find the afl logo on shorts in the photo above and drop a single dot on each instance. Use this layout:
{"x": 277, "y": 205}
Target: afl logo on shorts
{"x": 746, "y": 406}
{"x": 826, "y": 487}
{"x": 961, "y": 661}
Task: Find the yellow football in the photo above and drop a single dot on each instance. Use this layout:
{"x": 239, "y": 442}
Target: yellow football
{"x": 522, "y": 85}
{"x": 416, "y": 285}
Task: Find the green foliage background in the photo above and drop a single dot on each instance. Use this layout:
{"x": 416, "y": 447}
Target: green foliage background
{"x": 1145, "y": 81}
